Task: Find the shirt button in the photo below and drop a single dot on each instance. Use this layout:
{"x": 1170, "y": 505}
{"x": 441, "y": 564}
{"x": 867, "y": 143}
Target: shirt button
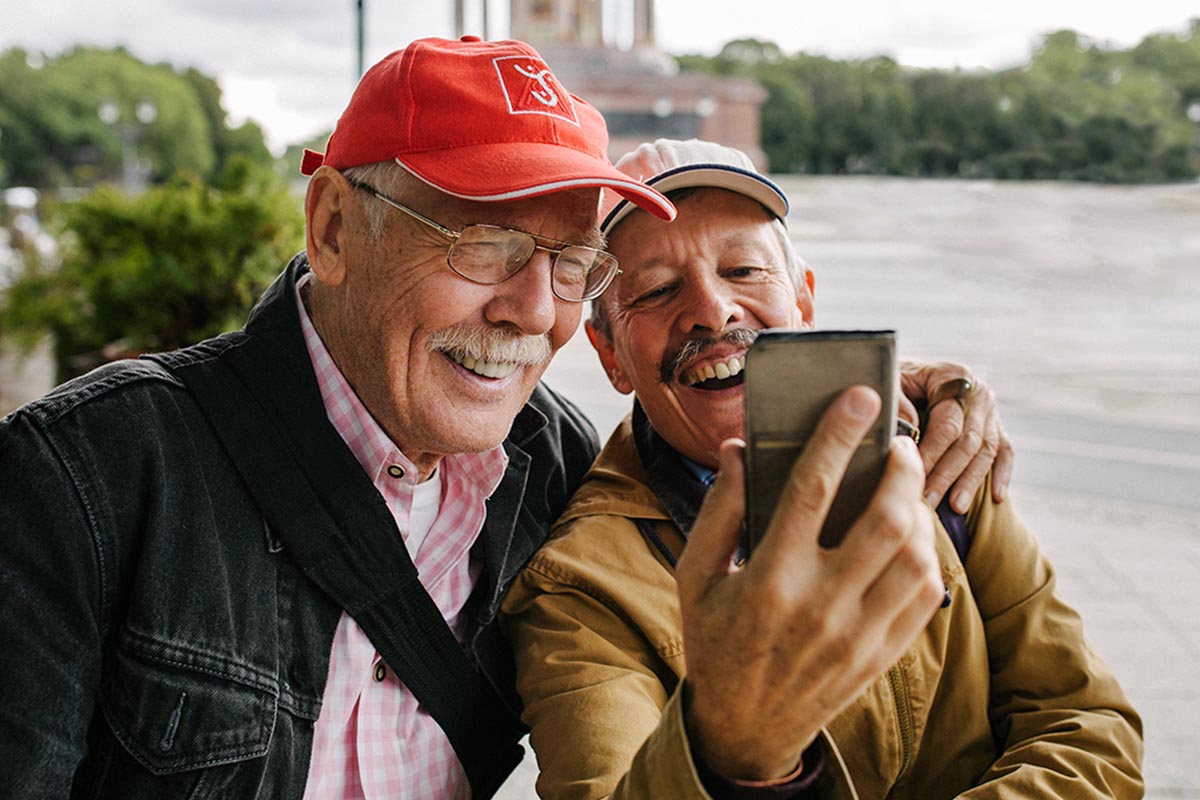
{"x": 395, "y": 470}
{"x": 380, "y": 672}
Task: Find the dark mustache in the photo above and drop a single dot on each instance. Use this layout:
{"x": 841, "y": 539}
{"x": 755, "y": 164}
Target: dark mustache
{"x": 672, "y": 362}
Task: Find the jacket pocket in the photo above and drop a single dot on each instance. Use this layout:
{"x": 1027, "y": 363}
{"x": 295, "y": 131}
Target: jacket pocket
{"x": 173, "y": 716}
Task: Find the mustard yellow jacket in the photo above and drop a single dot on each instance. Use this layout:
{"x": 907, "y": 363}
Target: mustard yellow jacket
{"x": 1000, "y": 697}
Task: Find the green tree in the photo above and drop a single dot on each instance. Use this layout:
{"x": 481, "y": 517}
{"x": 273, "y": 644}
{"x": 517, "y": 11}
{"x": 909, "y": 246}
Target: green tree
{"x": 178, "y": 263}
{"x": 1078, "y": 110}
{"x": 245, "y": 141}
{"x": 52, "y": 133}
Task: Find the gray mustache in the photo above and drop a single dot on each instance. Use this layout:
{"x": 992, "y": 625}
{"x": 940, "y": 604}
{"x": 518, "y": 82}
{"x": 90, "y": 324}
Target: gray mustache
{"x": 492, "y": 344}
{"x": 671, "y": 363}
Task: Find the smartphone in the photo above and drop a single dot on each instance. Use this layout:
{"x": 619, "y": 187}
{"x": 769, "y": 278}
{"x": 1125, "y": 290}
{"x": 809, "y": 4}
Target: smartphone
{"x": 791, "y": 378}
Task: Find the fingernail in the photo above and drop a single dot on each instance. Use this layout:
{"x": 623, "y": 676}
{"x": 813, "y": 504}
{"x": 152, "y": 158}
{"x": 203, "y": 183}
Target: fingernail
{"x": 961, "y": 502}
{"x": 859, "y": 405}
{"x": 931, "y": 499}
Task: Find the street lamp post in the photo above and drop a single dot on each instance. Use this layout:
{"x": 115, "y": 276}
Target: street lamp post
{"x": 134, "y": 170}
{"x": 361, "y": 42}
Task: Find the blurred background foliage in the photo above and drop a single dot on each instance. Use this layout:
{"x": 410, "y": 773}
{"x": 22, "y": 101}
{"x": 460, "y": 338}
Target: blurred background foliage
{"x": 53, "y": 130}
{"x": 158, "y": 223}
{"x": 165, "y": 268}
{"x": 1079, "y": 110}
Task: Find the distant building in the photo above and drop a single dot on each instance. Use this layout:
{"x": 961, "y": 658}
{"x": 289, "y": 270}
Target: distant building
{"x": 635, "y": 85}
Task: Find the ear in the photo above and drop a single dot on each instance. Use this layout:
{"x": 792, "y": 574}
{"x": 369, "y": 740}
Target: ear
{"x": 804, "y": 299}
{"x": 324, "y": 225}
{"x": 608, "y": 358}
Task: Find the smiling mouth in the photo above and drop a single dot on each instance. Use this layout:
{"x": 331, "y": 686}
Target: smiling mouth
{"x": 715, "y": 377}
{"x": 486, "y": 369}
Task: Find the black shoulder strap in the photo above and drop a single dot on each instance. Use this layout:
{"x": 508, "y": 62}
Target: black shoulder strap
{"x": 371, "y": 577}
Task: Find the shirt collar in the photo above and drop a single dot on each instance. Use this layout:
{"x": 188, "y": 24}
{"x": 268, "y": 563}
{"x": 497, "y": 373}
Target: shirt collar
{"x": 702, "y": 473}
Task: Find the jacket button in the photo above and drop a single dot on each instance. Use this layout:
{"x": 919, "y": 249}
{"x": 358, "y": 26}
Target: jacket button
{"x": 380, "y": 672}
{"x": 396, "y": 471}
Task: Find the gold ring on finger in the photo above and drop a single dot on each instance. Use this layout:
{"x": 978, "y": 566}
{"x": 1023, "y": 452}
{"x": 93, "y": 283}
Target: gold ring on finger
{"x": 959, "y": 390}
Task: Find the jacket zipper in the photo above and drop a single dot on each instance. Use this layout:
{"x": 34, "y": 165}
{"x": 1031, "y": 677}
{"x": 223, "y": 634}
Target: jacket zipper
{"x": 903, "y": 715}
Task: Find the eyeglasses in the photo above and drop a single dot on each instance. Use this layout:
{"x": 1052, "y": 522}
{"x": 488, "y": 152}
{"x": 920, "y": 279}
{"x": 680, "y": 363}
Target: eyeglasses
{"x": 489, "y": 254}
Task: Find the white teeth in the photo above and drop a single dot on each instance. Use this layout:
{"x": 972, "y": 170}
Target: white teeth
{"x": 720, "y": 370}
{"x": 488, "y": 369}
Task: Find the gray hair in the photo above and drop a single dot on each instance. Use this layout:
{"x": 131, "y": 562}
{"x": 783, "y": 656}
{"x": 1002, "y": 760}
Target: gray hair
{"x": 387, "y": 178}
{"x": 796, "y": 266}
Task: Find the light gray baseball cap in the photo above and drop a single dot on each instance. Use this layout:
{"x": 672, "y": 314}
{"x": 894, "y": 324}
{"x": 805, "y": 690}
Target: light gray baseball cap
{"x": 670, "y": 164}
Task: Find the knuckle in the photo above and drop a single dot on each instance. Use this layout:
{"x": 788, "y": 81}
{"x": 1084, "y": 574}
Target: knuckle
{"x": 932, "y": 588}
{"x": 810, "y": 487}
{"x": 892, "y": 527}
{"x": 771, "y": 596}
{"x": 918, "y": 561}
{"x": 843, "y": 436}
{"x": 945, "y": 425}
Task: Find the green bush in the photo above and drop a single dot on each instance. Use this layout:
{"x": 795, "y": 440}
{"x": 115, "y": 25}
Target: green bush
{"x": 179, "y": 263}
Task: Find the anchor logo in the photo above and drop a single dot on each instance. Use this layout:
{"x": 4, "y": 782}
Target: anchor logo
{"x": 531, "y": 88}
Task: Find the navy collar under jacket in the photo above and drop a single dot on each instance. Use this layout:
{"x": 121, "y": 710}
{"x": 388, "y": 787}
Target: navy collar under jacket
{"x": 676, "y": 486}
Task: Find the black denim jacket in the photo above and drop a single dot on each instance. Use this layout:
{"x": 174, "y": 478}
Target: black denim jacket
{"x": 157, "y": 638}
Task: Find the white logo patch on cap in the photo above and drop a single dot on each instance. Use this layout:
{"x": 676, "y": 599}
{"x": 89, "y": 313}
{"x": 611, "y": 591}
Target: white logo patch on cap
{"x": 531, "y": 88}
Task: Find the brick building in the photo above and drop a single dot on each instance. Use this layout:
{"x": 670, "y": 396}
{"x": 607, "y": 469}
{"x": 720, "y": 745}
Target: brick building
{"x": 605, "y": 51}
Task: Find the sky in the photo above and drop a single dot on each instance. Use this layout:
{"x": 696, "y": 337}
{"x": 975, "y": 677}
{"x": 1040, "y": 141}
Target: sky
{"x": 290, "y": 64}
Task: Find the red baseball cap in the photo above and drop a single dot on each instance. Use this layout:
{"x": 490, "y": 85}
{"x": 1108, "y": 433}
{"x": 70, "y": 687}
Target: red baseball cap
{"x": 478, "y": 120}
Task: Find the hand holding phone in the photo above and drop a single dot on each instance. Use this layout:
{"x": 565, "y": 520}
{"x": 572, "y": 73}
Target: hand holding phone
{"x": 791, "y": 378}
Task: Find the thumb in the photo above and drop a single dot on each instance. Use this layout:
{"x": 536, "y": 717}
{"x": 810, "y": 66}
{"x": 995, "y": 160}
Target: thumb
{"x": 718, "y": 528}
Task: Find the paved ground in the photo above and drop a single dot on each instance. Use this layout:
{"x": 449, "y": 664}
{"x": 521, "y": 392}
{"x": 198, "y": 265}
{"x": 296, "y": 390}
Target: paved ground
{"x": 1079, "y": 305}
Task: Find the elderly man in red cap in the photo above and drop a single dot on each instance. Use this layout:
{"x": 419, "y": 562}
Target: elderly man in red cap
{"x": 268, "y": 565}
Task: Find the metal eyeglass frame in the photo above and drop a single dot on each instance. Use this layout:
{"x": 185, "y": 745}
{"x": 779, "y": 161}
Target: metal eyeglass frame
{"x": 453, "y": 236}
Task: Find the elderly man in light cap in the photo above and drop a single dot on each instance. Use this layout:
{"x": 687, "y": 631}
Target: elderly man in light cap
{"x": 928, "y": 656}
{"x": 268, "y": 565}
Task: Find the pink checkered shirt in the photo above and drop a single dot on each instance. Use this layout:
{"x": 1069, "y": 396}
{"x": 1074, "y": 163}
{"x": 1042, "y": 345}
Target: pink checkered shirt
{"x": 372, "y": 739}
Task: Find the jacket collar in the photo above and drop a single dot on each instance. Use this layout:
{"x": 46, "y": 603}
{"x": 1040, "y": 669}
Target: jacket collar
{"x": 638, "y": 476}
{"x": 676, "y": 486}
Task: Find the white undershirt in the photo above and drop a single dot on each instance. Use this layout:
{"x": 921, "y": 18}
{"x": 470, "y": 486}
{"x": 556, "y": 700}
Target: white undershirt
{"x": 427, "y": 497}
